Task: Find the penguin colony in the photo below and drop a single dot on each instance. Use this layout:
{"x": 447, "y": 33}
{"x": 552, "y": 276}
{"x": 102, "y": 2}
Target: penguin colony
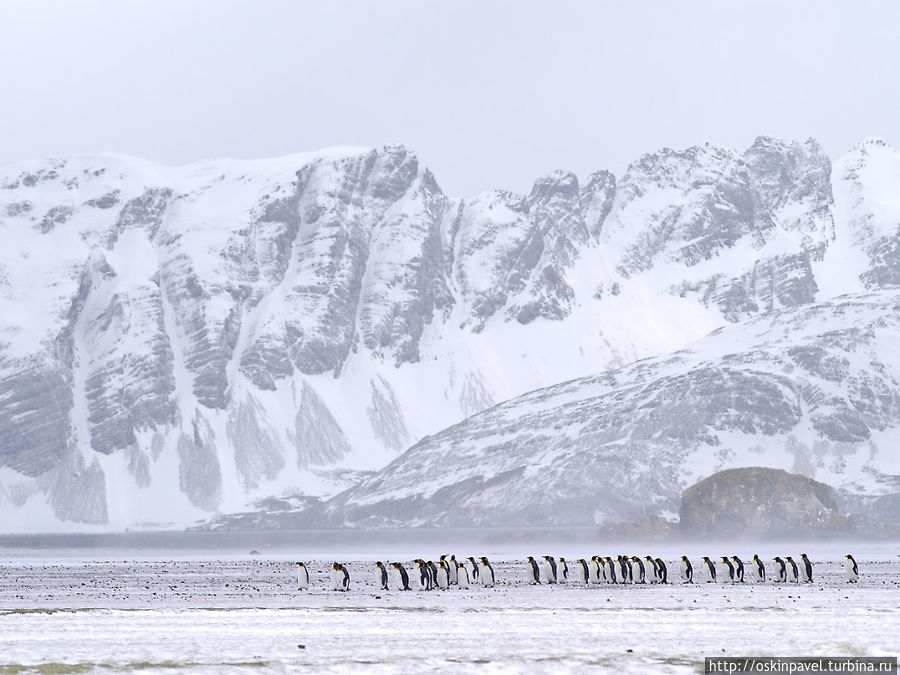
{"x": 428, "y": 575}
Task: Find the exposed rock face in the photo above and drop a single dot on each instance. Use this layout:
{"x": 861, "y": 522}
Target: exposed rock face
{"x": 179, "y": 341}
{"x": 761, "y": 503}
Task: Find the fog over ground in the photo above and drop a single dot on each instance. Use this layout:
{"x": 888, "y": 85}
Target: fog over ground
{"x": 488, "y": 94}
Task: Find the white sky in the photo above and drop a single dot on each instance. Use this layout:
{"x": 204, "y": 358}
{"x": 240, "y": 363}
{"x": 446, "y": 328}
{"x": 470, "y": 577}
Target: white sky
{"x": 489, "y": 94}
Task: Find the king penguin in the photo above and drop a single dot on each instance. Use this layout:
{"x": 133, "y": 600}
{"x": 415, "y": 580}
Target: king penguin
{"x": 562, "y": 572}
{"x": 487, "y": 573}
{"x": 475, "y": 572}
{"x": 662, "y": 572}
{"x": 302, "y": 576}
{"x": 534, "y": 573}
{"x": 806, "y": 568}
{"x": 382, "y": 575}
{"x": 584, "y": 574}
{"x": 594, "y": 569}
{"x": 687, "y": 570}
{"x": 710, "y": 569}
{"x": 852, "y": 569}
{"x": 652, "y": 572}
{"x": 403, "y": 575}
{"x": 639, "y": 564}
{"x": 462, "y": 575}
{"x": 793, "y": 572}
{"x": 739, "y": 569}
{"x": 611, "y": 569}
{"x": 548, "y": 567}
{"x": 340, "y": 577}
{"x": 727, "y": 563}
{"x": 442, "y": 576}
{"x": 760, "y": 569}
{"x": 780, "y": 571}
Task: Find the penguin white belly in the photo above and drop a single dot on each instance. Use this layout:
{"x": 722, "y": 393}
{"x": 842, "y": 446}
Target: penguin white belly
{"x": 337, "y": 580}
{"x": 302, "y": 579}
{"x": 707, "y": 573}
{"x": 462, "y": 577}
{"x": 487, "y": 577}
{"x": 546, "y": 572}
{"x": 593, "y": 572}
{"x": 474, "y": 576}
{"x": 562, "y": 573}
{"x": 684, "y": 572}
{"x": 454, "y": 573}
{"x": 635, "y": 572}
{"x": 443, "y": 580}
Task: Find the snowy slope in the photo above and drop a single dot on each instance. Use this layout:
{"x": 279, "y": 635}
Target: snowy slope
{"x": 177, "y": 342}
{"x": 812, "y": 390}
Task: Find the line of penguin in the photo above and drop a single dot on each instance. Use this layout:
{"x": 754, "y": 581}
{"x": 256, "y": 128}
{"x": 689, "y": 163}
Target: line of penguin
{"x": 623, "y": 569}
{"x": 425, "y": 575}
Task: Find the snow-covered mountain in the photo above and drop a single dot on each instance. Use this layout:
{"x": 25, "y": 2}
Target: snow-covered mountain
{"x": 179, "y": 342}
{"x": 812, "y": 390}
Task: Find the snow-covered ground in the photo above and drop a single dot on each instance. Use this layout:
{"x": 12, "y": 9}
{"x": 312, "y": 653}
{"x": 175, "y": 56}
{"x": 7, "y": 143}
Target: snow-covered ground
{"x": 232, "y": 613}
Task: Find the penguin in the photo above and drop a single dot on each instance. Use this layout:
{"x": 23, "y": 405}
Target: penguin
{"x": 710, "y": 570}
{"x": 302, "y": 576}
{"x": 637, "y": 562}
{"x": 793, "y": 572}
{"x": 404, "y": 576}
{"x": 424, "y": 575}
{"x": 462, "y": 575}
{"x": 487, "y": 573}
{"x": 625, "y": 569}
{"x": 450, "y": 561}
{"x": 662, "y": 572}
{"x": 475, "y": 572}
{"x": 739, "y": 569}
{"x": 611, "y": 569}
{"x": 584, "y": 574}
{"x": 727, "y": 563}
{"x": 432, "y": 570}
{"x": 595, "y": 569}
{"x": 442, "y": 576}
{"x": 687, "y": 570}
{"x": 852, "y": 569}
{"x": 604, "y": 570}
{"x": 780, "y": 571}
{"x": 806, "y": 569}
{"x": 652, "y": 573}
{"x": 548, "y": 567}
{"x": 534, "y": 573}
{"x": 340, "y": 577}
{"x": 760, "y": 569}
{"x": 382, "y": 575}
{"x": 454, "y": 570}
{"x": 562, "y": 569}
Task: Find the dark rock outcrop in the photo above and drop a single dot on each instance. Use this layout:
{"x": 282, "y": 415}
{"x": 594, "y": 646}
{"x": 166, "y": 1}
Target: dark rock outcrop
{"x": 761, "y": 503}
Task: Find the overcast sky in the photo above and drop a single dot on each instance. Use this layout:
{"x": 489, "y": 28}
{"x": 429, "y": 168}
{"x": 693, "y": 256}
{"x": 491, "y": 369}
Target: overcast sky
{"x": 489, "y": 94}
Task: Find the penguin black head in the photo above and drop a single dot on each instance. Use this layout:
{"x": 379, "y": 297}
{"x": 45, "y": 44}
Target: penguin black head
{"x": 379, "y": 564}
{"x": 300, "y": 564}
{"x": 684, "y": 557}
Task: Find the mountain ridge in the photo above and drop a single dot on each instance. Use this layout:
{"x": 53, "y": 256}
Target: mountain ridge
{"x": 179, "y": 342}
